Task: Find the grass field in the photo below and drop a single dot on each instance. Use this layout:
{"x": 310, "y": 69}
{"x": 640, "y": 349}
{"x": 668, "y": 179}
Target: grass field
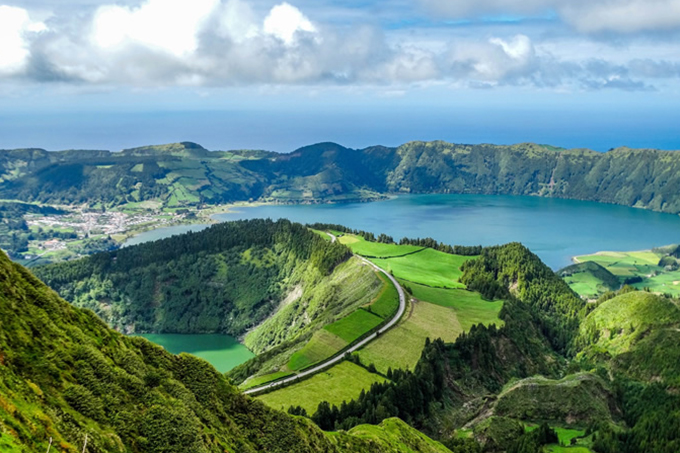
{"x": 469, "y": 306}
{"x": 387, "y": 302}
{"x": 342, "y": 382}
{"x": 641, "y": 263}
{"x": 427, "y": 267}
{"x": 259, "y": 380}
{"x": 585, "y": 284}
{"x": 322, "y": 345}
{"x": 361, "y": 246}
{"x": 355, "y": 325}
{"x": 402, "y": 345}
{"x": 564, "y": 435}
{"x": 322, "y": 234}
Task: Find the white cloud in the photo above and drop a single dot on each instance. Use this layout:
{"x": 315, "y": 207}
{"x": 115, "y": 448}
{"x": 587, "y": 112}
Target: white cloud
{"x": 16, "y": 27}
{"x": 168, "y": 25}
{"x": 589, "y": 16}
{"x": 623, "y": 16}
{"x": 284, "y": 21}
{"x": 216, "y": 43}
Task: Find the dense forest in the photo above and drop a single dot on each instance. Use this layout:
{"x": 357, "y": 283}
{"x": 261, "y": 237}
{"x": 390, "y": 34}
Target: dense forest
{"x": 226, "y": 279}
{"x": 65, "y": 376}
{"x": 186, "y": 174}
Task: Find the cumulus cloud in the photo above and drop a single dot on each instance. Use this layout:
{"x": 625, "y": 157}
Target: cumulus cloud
{"x": 590, "y": 16}
{"x": 16, "y": 31}
{"x": 285, "y": 21}
{"x": 151, "y": 43}
{"x": 167, "y": 25}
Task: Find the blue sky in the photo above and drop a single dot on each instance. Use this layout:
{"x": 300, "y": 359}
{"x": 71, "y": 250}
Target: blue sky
{"x": 277, "y": 75}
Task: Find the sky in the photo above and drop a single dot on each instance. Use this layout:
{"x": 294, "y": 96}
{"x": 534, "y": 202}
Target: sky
{"x": 231, "y": 74}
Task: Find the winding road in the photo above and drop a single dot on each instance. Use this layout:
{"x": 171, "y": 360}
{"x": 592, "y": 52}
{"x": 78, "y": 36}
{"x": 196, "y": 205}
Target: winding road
{"x": 341, "y": 356}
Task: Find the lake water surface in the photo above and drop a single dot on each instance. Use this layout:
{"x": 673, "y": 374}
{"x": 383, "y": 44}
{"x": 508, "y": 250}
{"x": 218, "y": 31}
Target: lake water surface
{"x": 164, "y": 232}
{"x": 222, "y": 351}
{"x": 554, "y": 229}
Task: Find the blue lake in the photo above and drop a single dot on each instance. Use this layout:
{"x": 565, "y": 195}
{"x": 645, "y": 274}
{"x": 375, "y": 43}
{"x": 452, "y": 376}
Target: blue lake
{"x": 554, "y": 229}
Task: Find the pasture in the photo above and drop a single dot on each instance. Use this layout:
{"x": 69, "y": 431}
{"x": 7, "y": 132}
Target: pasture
{"x": 401, "y": 346}
{"x": 343, "y": 382}
{"x": 427, "y": 267}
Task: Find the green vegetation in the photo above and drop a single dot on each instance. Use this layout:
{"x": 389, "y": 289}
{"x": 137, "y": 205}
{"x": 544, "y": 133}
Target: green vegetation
{"x": 300, "y": 317}
{"x": 342, "y": 382}
{"x": 618, "y": 323}
{"x": 450, "y": 312}
{"x": 470, "y": 307}
{"x": 513, "y": 271}
{"x": 183, "y": 174}
{"x": 397, "y": 436}
{"x": 361, "y": 246}
{"x": 321, "y": 346}
{"x": 656, "y": 269}
{"x": 77, "y": 377}
{"x": 197, "y": 283}
{"x": 333, "y": 338}
{"x": 428, "y": 267}
{"x": 387, "y": 302}
{"x": 351, "y": 327}
{"x": 589, "y": 279}
{"x": 259, "y": 380}
{"x": 575, "y": 400}
{"x": 401, "y": 346}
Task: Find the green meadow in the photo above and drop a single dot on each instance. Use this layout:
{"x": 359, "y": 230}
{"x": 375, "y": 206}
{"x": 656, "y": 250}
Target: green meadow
{"x": 361, "y": 246}
{"x": 386, "y": 303}
{"x": 469, "y": 306}
{"x": 259, "y": 380}
{"x": 343, "y": 382}
{"x": 351, "y": 327}
{"x": 322, "y": 345}
{"x": 565, "y": 435}
{"x": 427, "y": 267}
{"x": 401, "y": 346}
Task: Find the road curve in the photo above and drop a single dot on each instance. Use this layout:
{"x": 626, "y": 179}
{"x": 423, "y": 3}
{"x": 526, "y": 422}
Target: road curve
{"x": 340, "y": 357}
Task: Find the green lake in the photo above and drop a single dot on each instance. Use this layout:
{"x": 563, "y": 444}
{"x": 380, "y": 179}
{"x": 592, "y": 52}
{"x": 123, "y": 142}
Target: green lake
{"x": 222, "y": 351}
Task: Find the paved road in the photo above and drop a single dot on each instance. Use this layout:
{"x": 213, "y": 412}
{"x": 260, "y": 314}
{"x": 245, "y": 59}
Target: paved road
{"x": 339, "y": 358}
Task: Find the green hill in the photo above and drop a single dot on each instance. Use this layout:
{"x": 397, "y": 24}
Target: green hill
{"x": 65, "y": 375}
{"x": 577, "y": 400}
{"x": 617, "y": 324}
{"x": 589, "y": 279}
{"x": 185, "y": 174}
{"x": 636, "y": 333}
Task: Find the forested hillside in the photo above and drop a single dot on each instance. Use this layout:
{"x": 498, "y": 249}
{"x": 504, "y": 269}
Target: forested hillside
{"x": 186, "y": 174}
{"x": 227, "y": 279}
{"x": 65, "y": 376}
{"x": 604, "y": 374}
